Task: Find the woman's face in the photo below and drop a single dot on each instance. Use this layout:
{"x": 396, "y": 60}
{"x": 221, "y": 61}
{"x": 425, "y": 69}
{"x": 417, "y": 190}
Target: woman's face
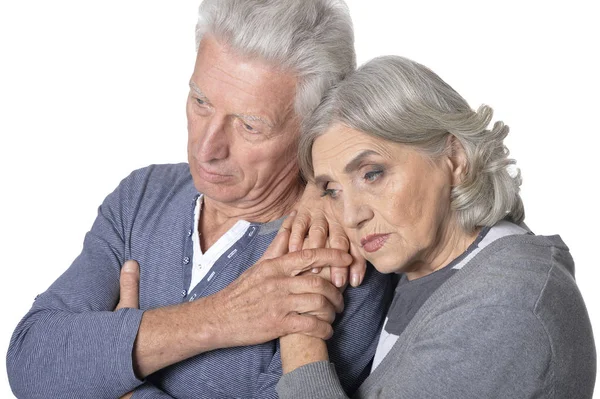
{"x": 393, "y": 202}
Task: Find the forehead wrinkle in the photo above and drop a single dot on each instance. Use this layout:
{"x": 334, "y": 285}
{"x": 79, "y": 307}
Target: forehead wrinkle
{"x": 278, "y": 118}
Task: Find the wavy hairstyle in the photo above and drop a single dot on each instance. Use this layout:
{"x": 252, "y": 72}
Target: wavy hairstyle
{"x": 399, "y": 100}
{"x": 312, "y": 38}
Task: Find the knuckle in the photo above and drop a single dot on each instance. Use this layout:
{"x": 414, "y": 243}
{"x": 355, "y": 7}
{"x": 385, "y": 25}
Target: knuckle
{"x": 307, "y": 255}
{"x": 315, "y": 282}
{"x": 318, "y": 228}
{"x": 340, "y": 242}
{"x": 300, "y": 223}
{"x": 321, "y": 302}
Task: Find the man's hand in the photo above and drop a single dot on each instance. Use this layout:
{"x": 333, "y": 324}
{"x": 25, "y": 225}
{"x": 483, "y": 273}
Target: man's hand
{"x": 274, "y": 298}
{"x": 129, "y": 294}
{"x": 269, "y": 300}
{"x": 315, "y": 227}
{"x": 129, "y": 284}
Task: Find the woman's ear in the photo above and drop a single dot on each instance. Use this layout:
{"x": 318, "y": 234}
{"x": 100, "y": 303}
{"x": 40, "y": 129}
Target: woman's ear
{"x": 457, "y": 159}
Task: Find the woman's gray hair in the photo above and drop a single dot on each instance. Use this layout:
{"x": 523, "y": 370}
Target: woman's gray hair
{"x": 399, "y": 100}
{"x": 312, "y": 38}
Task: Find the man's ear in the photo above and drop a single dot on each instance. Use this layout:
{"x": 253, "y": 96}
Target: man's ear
{"x": 457, "y": 159}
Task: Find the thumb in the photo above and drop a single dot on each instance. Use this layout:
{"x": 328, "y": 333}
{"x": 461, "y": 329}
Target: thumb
{"x": 279, "y": 246}
{"x": 129, "y": 285}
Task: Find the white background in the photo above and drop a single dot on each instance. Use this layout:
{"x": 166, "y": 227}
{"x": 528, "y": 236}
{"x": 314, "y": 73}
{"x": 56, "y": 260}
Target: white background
{"x": 92, "y": 90}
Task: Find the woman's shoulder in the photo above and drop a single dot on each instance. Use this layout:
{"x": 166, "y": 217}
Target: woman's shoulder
{"x": 517, "y": 264}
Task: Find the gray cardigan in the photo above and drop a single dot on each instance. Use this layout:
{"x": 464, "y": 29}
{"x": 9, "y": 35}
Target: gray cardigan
{"x": 510, "y": 324}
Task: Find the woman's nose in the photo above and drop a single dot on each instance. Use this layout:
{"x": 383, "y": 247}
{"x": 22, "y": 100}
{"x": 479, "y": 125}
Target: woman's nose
{"x": 356, "y": 213}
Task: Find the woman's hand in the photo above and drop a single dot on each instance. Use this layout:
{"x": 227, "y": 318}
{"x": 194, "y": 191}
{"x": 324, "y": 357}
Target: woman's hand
{"x": 315, "y": 227}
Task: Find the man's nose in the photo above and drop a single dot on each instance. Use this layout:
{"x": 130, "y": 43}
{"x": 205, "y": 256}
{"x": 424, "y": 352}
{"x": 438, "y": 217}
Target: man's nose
{"x": 213, "y": 141}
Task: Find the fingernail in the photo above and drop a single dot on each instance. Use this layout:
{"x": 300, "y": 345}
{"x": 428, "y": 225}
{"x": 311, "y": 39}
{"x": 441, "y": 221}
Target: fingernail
{"x": 293, "y": 213}
{"x": 338, "y": 281}
{"x": 315, "y": 270}
{"x": 355, "y": 280}
{"x": 129, "y": 266}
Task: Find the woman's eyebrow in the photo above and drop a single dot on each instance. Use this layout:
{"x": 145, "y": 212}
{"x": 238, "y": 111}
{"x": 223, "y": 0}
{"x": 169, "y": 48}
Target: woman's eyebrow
{"x": 322, "y": 180}
{"x": 354, "y": 164}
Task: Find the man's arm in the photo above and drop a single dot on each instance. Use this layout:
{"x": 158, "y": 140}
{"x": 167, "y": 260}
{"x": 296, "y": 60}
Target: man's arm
{"x": 271, "y": 299}
{"x": 72, "y": 343}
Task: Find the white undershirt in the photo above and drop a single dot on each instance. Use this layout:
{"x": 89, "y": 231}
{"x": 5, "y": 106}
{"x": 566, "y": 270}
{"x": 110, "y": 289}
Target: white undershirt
{"x": 203, "y": 262}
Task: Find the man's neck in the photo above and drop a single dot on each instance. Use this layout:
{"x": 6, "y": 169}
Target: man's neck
{"x": 217, "y": 218}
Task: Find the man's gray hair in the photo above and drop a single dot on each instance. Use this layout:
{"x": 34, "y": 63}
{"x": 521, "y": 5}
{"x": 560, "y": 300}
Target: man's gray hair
{"x": 399, "y": 100}
{"x": 312, "y": 38}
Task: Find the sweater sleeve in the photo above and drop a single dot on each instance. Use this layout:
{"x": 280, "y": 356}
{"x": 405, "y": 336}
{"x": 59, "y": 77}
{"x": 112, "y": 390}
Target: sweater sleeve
{"x": 314, "y": 380}
{"x": 352, "y": 347}
{"x": 71, "y": 344}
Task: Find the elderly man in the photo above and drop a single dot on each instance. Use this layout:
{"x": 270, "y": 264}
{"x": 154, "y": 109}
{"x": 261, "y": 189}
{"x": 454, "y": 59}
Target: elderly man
{"x": 210, "y": 304}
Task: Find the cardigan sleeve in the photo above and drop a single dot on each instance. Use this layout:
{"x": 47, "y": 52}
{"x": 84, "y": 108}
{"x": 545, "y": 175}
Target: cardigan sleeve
{"x": 352, "y": 347}
{"x": 71, "y": 344}
{"x": 311, "y": 381}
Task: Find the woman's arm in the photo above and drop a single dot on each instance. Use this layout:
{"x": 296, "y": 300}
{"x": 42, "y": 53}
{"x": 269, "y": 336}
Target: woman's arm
{"x": 299, "y": 349}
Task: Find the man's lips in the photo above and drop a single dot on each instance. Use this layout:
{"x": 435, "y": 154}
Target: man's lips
{"x": 373, "y": 242}
{"x": 211, "y": 176}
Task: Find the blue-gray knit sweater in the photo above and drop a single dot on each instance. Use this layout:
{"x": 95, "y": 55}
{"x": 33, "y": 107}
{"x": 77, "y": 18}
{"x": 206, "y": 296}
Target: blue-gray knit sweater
{"x": 72, "y": 345}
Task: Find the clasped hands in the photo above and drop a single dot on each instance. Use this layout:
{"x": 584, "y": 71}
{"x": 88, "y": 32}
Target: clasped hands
{"x": 289, "y": 290}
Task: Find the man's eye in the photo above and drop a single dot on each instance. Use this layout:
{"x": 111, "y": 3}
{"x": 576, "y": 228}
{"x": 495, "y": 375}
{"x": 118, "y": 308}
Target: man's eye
{"x": 373, "y": 175}
{"x": 200, "y": 102}
{"x": 248, "y": 127}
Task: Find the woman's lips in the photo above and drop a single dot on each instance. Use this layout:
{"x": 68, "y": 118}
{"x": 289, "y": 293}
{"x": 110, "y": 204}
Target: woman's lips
{"x": 373, "y": 242}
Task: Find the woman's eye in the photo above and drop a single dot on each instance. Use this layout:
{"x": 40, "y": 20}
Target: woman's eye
{"x": 329, "y": 192}
{"x": 372, "y": 176}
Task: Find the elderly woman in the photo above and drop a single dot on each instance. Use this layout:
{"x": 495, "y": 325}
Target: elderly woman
{"x": 483, "y": 308}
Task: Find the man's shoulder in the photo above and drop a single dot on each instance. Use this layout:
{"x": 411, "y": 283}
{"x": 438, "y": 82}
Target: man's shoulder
{"x": 159, "y": 178}
{"x": 163, "y": 172}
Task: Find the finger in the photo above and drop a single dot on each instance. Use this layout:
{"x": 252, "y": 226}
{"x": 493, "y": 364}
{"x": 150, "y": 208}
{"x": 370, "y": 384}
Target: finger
{"x": 339, "y": 276}
{"x": 295, "y": 263}
{"x": 338, "y": 240}
{"x": 129, "y": 285}
{"x": 279, "y": 246}
{"x": 358, "y": 268}
{"x": 312, "y": 284}
{"x": 313, "y": 304}
{"x": 318, "y": 230}
{"x": 299, "y": 231}
{"x": 308, "y": 325}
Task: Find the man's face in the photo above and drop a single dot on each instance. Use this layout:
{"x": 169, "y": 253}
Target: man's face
{"x": 242, "y": 128}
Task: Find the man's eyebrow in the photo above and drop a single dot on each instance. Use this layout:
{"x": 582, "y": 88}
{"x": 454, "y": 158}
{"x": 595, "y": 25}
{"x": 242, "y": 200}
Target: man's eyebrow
{"x": 199, "y": 93}
{"x": 356, "y": 161}
{"x": 254, "y": 118}
{"x": 197, "y": 90}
